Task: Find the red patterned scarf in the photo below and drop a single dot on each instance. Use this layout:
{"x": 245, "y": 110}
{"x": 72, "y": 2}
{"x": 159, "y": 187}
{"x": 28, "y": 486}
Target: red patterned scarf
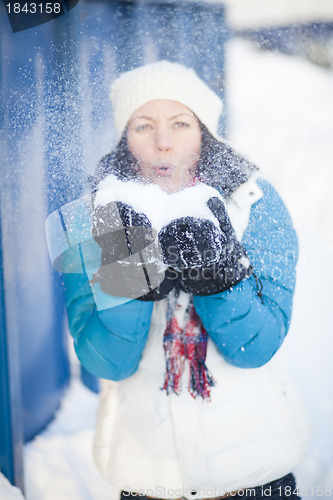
{"x": 185, "y": 338}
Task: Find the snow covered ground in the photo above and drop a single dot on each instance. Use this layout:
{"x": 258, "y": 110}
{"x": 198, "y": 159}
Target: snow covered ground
{"x": 281, "y": 117}
{"x": 7, "y": 491}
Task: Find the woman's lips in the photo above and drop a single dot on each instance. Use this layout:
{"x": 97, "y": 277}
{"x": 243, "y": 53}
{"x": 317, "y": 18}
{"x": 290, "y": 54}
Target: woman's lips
{"x": 163, "y": 169}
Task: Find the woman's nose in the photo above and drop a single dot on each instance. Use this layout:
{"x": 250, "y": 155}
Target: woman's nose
{"x": 163, "y": 138}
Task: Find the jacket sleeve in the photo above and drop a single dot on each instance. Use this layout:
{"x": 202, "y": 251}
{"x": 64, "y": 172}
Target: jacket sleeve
{"x": 246, "y": 330}
{"x": 109, "y": 343}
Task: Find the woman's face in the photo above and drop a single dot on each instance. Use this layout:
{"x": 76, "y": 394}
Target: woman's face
{"x": 165, "y": 138}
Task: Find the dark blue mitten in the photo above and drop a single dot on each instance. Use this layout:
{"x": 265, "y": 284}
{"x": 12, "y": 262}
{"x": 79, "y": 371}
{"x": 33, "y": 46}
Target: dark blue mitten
{"x": 209, "y": 259}
{"x": 129, "y": 263}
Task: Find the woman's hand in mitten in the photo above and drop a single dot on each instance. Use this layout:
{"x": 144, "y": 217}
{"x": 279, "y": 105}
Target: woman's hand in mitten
{"x": 210, "y": 260}
{"x": 120, "y": 231}
{"x": 190, "y": 242}
{"x": 131, "y": 264}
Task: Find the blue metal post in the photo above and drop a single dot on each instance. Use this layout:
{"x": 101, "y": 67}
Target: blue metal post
{"x": 32, "y": 291}
{"x": 11, "y": 436}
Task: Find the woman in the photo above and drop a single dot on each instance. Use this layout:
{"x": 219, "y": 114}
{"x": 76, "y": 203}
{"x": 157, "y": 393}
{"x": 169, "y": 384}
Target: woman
{"x": 215, "y": 319}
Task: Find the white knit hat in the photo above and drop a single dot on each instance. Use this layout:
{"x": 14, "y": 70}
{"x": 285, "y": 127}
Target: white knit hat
{"x": 164, "y": 80}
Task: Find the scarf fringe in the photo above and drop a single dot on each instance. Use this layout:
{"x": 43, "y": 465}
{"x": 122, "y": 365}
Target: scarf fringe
{"x": 189, "y": 342}
{"x": 200, "y": 380}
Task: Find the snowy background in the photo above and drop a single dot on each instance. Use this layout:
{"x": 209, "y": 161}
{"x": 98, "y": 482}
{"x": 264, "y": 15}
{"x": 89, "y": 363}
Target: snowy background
{"x": 281, "y": 117}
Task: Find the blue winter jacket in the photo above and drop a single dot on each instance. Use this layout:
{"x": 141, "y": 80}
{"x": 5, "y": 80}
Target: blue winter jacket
{"x": 246, "y": 330}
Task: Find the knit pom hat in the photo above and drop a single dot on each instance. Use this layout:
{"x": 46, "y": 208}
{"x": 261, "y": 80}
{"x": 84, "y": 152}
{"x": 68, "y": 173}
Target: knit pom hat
{"x": 164, "y": 80}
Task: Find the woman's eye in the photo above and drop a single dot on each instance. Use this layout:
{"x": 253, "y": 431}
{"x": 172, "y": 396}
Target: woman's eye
{"x": 142, "y": 127}
{"x": 181, "y": 124}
